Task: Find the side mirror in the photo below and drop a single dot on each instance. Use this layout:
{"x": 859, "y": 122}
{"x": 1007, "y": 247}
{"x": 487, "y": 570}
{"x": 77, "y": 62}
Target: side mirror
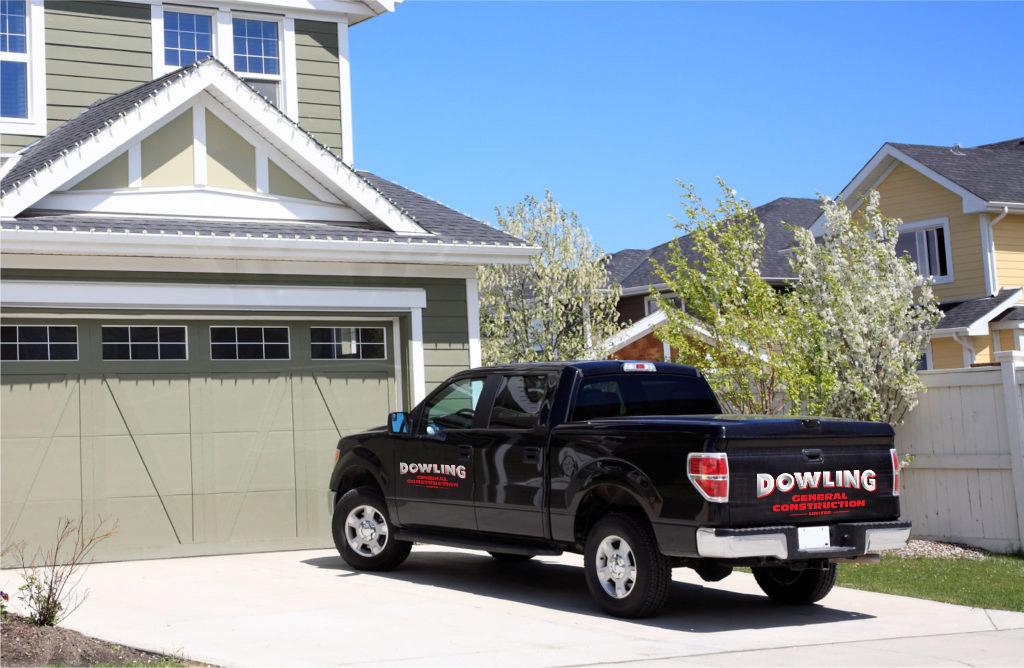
{"x": 398, "y": 423}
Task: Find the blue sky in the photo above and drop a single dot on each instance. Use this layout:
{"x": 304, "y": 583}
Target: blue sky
{"x": 477, "y": 104}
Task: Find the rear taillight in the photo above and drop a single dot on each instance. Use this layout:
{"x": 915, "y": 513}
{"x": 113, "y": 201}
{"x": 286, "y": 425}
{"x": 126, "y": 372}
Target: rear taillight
{"x": 895, "y": 472}
{"x": 709, "y": 473}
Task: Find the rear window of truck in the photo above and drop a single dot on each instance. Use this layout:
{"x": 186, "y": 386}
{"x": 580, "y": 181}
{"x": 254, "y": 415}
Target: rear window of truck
{"x": 632, "y": 394}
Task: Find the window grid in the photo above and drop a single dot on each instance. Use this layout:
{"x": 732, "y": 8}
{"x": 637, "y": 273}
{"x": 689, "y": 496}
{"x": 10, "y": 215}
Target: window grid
{"x": 256, "y": 47}
{"x": 348, "y": 343}
{"x": 144, "y": 342}
{"x": 14, "y": 83}
{"x": 249, "y": 343}
{"x": 38, "y": 343}
{"x": 187, "y": 38}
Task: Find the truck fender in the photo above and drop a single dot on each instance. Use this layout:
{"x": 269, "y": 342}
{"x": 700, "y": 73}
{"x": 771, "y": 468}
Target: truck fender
{"x": 358, "y": 467}
{"x": 611, "y": 478}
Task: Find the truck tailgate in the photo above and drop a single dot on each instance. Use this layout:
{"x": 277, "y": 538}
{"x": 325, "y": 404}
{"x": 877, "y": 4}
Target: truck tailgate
{"x": 811, "y": 478}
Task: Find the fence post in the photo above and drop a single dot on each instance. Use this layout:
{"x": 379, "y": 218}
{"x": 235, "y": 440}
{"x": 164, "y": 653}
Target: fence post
{"x": 1012, "y": 366}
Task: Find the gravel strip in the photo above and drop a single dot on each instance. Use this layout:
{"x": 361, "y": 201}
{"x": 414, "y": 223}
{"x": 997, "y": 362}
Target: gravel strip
{"x": 936, "y": 550}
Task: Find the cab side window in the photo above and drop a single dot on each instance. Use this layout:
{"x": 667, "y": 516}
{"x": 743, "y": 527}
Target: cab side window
{"x": 519, "y": 401}
{"x": 453, "y": 407}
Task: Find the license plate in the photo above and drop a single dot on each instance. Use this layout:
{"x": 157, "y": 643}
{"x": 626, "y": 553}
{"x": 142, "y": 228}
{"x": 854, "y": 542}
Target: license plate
{"x": 812, "y": 538}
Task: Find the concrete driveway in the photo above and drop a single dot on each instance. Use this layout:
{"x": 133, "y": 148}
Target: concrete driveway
{"x": 456, "y": 608}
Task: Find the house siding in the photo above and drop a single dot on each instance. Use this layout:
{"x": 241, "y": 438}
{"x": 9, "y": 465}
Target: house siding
{"x": 1008, "y": 238}
{"x": 316, "y": 62}
{"x": 910, "y": 196}
{"x": 631, "y": 309}
{"x": 947, "y": 354}
{"x": 94, "y": 50}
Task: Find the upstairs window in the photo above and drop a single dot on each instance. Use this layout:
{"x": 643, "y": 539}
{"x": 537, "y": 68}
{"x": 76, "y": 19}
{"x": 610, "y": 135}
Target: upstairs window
{"x": 187, "y": 38}
{"x": 257, "y": 56}
{"x": 22, "y": 79}
{"x": 927, "y": 243}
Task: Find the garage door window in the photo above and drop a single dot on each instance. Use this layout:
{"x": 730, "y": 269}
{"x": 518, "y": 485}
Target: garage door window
{"x": 249, "y": 343}
{"x": 347, "y": 343}
{"x": 38, "y": 343}
{"x": 131, "y": 342}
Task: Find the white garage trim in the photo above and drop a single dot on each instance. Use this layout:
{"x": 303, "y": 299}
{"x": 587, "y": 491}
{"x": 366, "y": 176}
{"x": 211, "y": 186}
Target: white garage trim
{"x": 419, "y": 382}
{"x": 181, "y": 296}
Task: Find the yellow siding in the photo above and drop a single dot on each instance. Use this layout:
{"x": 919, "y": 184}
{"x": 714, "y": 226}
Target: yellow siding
{"x": 230, "y": 160}
{"x": 983, "y": 349}
{"x": 1006, "y": 340}
{"x": 113, "y": 175}
{"x": 167, "y": 154}
{"x": 1008, "y": 237}
{"x": 910, "y": 196}
{"x": 947, "y": 354}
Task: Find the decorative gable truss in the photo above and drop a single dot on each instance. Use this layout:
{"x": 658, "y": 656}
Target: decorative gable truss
{"x": 200, "y": 143}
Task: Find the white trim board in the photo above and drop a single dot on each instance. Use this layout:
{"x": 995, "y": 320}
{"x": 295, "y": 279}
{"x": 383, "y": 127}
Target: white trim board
{"x": 204, "y": 297}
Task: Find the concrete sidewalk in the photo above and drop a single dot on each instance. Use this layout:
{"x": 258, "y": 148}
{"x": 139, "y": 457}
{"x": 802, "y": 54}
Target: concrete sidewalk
{"x": 451, "y": 607}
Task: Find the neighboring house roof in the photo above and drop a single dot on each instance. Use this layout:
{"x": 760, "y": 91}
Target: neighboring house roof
{"x": 632, "y": 268}
{"x": 973, "y": 315}
{"x": 987, "y": 177}
{"x": 634, "y": 332}
{"x": 394, "y": 215}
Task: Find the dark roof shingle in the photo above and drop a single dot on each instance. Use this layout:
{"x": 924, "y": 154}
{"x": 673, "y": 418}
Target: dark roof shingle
{"x": 993, "y": 172}
{"x": 956, "y": 315}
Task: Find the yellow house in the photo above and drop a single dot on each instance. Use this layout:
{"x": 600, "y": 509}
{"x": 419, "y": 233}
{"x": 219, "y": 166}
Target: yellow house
{"x": 963, "y": 223}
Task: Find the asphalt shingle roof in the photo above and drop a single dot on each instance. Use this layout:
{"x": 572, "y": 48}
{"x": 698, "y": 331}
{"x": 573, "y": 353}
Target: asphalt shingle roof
{"x": 993, "y": 172}
{"x": 966, "y": 313}
{"x": 632, "y": 267}
{"x": 1012, "y": 313}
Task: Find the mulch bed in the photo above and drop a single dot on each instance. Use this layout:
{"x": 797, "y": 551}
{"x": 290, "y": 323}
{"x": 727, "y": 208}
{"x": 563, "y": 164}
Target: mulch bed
{"x": 25, "y": 644}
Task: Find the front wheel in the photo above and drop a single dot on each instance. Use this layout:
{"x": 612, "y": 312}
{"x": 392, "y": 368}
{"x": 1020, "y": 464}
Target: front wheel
{"x": 362, "y": 532}
{"x": 792, "y": 587}
{"x": 625, "y": 572}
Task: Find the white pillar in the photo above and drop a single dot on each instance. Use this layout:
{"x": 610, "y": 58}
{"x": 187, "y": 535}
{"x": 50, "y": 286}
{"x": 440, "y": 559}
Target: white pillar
{"x": 1012, "y": 366}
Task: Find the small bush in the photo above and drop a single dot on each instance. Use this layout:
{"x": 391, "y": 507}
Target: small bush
{"x": 52, "y": 576}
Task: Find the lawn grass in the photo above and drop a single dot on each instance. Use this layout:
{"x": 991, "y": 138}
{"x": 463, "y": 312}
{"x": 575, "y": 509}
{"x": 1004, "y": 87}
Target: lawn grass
{"x": 995, "y": 582}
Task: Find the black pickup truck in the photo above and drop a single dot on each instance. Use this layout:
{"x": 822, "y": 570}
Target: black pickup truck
{"x": 631, "y": 464}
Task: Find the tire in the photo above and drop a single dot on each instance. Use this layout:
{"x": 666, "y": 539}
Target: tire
{"x": 362, "y": 532}
{"x": 625, "y": 573}
{"x": 785, "y": 585}
{"x": 509, "y": 557}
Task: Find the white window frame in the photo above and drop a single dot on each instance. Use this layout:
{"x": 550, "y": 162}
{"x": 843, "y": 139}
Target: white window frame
{"x": 224, "y": 47}
{"x": 359, "y": 345}
{"x": 651, "y": 303}
{"x": 922, "y": 226}
{"x": 132, "y": 359}
{"x": 35, "y": 57}
{"x": 229, "y": 360}
{"x": 78, "y": 343}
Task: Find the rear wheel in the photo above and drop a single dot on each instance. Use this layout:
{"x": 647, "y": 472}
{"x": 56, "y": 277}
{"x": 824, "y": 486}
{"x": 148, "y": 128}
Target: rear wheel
{"x": 362, "y": 532}
{"x": 793, "y": 587}
{"x": 625, "y": 572}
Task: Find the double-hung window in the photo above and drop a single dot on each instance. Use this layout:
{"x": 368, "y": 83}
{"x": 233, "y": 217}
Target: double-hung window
{"x": 187, "y": 38}
{"x": 927, "y": 243}
{"x": 258, "y": 55}
{"x": 22, "y": 106}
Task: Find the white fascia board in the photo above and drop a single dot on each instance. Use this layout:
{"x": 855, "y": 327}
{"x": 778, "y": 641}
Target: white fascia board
{"x": 251, "y": 108}
{"x": 1007, "y": 324}
{"x": 980, "y": 326}
{"x": 635, "y": 332}
{"x": 205, "y": 297}
{"x": 1013, "y": 207}
{"x": 100, "y": 243}
{"x": 643, "y": 290}
{"x": 879, "y": 166}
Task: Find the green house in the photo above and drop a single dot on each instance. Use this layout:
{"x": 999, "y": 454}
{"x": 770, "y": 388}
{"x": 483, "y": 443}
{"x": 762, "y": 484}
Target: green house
{"x": 200, "y": 294}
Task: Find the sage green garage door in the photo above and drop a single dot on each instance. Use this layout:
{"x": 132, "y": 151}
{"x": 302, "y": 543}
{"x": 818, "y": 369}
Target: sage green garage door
{"x": 192, "y": 456}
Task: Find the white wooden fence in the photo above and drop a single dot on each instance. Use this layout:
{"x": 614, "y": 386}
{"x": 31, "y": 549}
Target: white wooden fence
{"x": 966, "y": 480}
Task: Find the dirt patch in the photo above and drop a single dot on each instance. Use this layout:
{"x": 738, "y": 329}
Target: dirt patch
{"x": 25, "y": 644}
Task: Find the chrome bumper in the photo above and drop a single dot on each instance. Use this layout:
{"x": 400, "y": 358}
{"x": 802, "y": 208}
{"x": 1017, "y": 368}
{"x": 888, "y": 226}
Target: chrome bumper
{"x": 781, "y": 542}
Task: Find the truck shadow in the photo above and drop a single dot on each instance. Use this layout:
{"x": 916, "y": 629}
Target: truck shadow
{"x": 695, "y": 608}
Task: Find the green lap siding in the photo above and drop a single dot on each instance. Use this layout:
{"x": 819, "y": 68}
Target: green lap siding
{"x": 316, "y": 64}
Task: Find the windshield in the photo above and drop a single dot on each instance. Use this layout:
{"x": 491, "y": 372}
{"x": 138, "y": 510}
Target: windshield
{"x": 631, "y": 394}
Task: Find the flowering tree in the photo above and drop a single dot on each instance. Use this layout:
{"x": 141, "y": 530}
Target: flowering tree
{"x": 866, "y": 313}
{"x": 560, "y": 305}
{"x": 731, "y": 324}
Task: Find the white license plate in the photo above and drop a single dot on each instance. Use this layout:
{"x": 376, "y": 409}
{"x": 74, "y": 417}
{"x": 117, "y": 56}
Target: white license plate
{"x": 812, "y": 538}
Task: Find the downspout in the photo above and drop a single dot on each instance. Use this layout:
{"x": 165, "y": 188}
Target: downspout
{"x": 1006, "y": 210}
{"x": 967, "y": 346}
{"x": 988, "y": 255}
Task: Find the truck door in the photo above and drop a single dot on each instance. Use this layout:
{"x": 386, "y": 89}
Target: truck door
{"x": 510, "y": 485}
{"x": 435, "y": 465}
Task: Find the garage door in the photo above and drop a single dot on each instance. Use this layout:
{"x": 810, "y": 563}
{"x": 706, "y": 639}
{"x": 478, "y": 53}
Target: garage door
{"x": 196, "y": 437}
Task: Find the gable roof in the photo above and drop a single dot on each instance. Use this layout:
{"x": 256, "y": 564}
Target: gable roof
{"x": 987, "y": 177}
{"x": 633, "y": 268}
{"x": 974, "y": 315}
